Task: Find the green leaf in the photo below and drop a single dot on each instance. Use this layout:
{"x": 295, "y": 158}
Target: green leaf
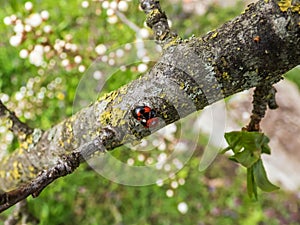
{"x": 246, "y": 158}
{"x": 234, "y": 141}
{"x": 264, "y": 145}
{"x": 251, "y": 185}
{"x": 261, "y": 178}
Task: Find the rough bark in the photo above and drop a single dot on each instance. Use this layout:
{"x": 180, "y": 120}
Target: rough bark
{"x": 254, "y": 49}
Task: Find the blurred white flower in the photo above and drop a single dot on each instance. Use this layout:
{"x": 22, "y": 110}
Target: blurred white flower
{"x": 7, "y": 20}
{"x": 97, "y": 75}
{"x": 111, "y": 62}
{"x": 181, "y": 181}
{"x": 110, "y": 12}
{"x": 15, "y": 40}
{"x": 130, "y": 162}
{"x": 19, "y": 96}
{"x": 27, "y": 28}
{"x": 120, "y": 53}
{"x": 144, "y": 33}
{"x": 4, "y": 97}
{"x": 13, "y": 18}
{"x": 78, "y": 59}
{"x": 74, "y": 48}
{"x": 170, "y": 193}
{"x": 23, "y": 53}
{"x": 9, "y": 137}
{"x": 174, "y": 184}
{"x": 81, "y": 68}
{"x": 65, "y": 63}
{"x": 39, "y": 49}
{"x": 45, "y": 15}
{"x": 182, "y": 207}
{"x": 105, "y": 5}
{"x": 36, "y": 58}
{"x": 113, "y": 5}
{"x": 100, "y": 49}
{"x": 159, "y": 182}
{"x": 112, "y": 19}
{"x": 34, "y": 20}
{"x": 19, "y": 28}
{"x": 123, "y": 6}
{"x": 142, "y": 68}
{"x": 85, "y": 4}
{"x": 47, "y": 29}
{"x": 28, "y": 6}
{"x": 141, "y": 158}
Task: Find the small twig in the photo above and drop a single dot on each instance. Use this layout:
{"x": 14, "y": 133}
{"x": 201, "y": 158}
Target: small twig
{"x": 66, "y": 165}
{"x": 158, "y": 22}
{"x": 129, "y": 23}
{"x": 139, "y": 41}
{"x": 21, "y": 213}
{"x": 20, "y": 129}
{"x": 263, "y": 96}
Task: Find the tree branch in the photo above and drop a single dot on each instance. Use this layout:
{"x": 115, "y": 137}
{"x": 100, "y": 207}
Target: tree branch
{"x": 256, "y": 47}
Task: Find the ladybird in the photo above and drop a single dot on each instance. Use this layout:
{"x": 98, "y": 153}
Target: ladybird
{"x": 145, "y": 115}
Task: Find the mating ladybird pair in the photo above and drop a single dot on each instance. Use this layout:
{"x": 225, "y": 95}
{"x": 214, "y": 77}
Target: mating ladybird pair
{"x": 145, "y": 115}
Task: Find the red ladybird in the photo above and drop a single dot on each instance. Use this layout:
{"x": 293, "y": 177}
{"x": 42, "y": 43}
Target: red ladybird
{"x": 145, "y": 115}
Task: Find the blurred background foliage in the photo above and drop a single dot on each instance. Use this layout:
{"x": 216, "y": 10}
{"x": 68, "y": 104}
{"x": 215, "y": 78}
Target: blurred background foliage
{"x": 47, "y": 47}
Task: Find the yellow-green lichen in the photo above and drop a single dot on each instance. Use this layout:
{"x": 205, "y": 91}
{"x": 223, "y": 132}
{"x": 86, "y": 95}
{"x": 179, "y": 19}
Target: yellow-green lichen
{"x": 172, "y": 42}
{"x": 15, "y": 172}
{"x": 225, "y": 75}
{"x": 181, "y": 86}
{"x": 114, "y": 117}
{"x": 152, "y": 14}
{"x": 285, "y": 5}
{"x": 123, "y": 90}
{"x": 296, "y": 8}
{"x": 108, "y": 96}
{"x": 105, "y": 118}
{"x": 215, "y": 34}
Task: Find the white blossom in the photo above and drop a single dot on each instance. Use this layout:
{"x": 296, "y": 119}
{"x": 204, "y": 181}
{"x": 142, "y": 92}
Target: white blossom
{"x": 100, "y": 49}
{"x": 182, "y": 207}
{"x": 7, "y": 20}
{"x": 34, "y": 20}
{"x": 45, "y": 15}
{"x": 28, "y": 6}
{"x": 15, "y": 40}
{"x": 112, "y": 19}
{"x": 123, "y": 6}
{"x": 23, "y": 53}
{"x": 36, "y": 58}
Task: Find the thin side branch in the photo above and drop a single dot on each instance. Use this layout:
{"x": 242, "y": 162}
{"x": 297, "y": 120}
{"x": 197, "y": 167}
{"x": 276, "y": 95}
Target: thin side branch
{"x": 20, "y": 129}
{"x": 263, "y": 96}
{"x": 158, "y": 22}
{"x": 21, "y": 213}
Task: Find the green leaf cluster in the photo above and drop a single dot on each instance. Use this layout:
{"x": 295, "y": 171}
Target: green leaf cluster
{"x": 247, "y": 148}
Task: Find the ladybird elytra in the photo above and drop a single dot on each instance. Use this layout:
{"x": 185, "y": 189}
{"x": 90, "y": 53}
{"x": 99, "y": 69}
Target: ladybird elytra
{"x": 145, "y": 115}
